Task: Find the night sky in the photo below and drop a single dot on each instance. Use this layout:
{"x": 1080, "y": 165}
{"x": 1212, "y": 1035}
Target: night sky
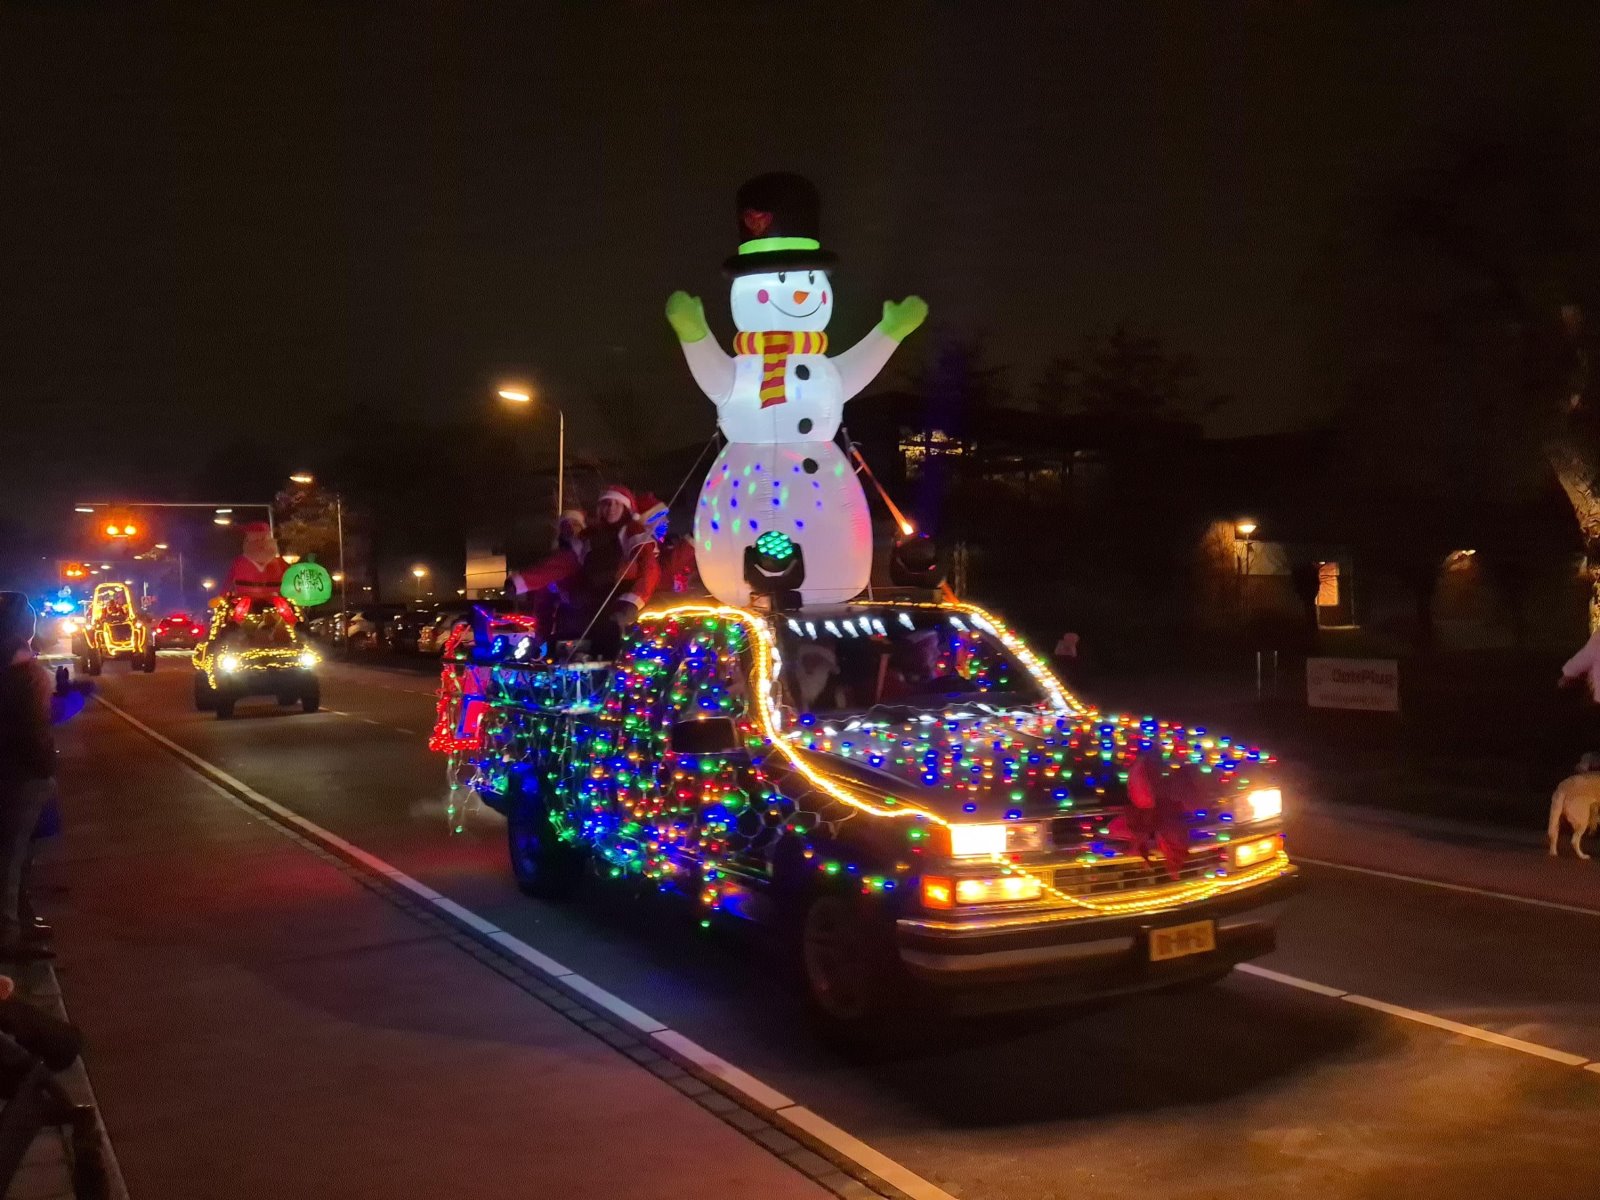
{"x": 219, "y": 218}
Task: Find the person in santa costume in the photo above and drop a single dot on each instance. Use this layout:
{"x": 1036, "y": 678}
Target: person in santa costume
{"x": 676, "y": 551}
{"x": 258, "y": 572}
{"x": 609, "y": 572}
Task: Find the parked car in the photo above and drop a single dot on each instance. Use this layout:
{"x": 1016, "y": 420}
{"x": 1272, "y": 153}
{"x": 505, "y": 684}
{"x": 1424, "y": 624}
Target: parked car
{"x": 904, "y": 784}
{"x": 178, "y": 631}
{"x": 403, "y": 631}
{"x": 255, "y": 649}
{"x": 367, "y": 626}
{"x": 432, "y": 637}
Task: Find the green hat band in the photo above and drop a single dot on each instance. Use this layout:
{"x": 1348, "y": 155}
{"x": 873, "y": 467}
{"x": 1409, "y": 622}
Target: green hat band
{"x": 763, "y": 245}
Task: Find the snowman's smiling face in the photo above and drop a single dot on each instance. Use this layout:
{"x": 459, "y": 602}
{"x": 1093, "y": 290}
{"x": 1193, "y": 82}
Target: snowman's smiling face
{"x": 788, "y": 301}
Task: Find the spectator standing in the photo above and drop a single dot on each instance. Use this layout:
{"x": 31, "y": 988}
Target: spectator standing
{"x": 27, "y": 774}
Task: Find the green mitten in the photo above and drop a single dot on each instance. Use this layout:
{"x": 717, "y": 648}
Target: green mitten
{"x": 687, "y": 316}
{"x": 900, "y": 319}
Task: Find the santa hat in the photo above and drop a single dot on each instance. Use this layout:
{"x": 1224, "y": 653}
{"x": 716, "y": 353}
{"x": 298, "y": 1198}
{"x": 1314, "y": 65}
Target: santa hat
{"x": 257, "y": 527}
{"x": 649, "y": 507}
{"x": 621, "y": 495}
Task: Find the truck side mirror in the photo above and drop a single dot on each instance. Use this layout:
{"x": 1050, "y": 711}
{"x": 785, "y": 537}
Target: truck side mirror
{"x": 705, "y": 735}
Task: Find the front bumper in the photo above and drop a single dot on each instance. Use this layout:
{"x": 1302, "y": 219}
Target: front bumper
{"x": 266, "y": 681}
{"x": 995, "y": 966}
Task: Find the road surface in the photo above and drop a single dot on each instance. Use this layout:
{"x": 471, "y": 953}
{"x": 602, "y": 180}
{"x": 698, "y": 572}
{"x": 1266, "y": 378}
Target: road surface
{"x": 1259, "y": 1086}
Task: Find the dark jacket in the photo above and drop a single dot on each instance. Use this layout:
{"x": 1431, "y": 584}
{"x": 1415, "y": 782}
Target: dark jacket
{"x": 27, "y": 743}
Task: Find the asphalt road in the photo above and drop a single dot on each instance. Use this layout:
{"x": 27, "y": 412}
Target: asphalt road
{"x": 1250, "y": 1087}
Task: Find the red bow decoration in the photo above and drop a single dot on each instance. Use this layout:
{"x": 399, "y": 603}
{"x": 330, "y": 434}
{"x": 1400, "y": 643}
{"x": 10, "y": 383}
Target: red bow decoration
{"x": 756, "y": 222}
{"x": 1157, "y": 815}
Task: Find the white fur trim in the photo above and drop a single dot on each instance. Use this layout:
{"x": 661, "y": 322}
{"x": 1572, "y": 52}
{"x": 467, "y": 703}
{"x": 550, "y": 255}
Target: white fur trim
{"x": 612, "y": 494}
{"x": 630, "y": 598}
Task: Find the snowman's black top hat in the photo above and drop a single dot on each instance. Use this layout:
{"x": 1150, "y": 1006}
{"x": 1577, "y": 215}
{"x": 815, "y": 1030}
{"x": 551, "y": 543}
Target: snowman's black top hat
{"x": 779, "y": 216}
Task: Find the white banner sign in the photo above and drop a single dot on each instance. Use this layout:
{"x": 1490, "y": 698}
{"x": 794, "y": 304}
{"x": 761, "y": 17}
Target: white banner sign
{"x": 1370, "y": 684}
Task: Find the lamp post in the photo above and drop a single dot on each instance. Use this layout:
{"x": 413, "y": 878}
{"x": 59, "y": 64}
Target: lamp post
{"x": 306, "y": 479}
{"x": 517, "y": 395}
{"x": 1245, "y": 528}
{"x": 419, "y": 573}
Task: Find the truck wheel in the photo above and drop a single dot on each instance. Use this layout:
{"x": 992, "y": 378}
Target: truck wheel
{"x": 205, "y": 696}
{"x": 852, "y": 975}
{"x": 95, "y": 662}
{"x": 311, "y": 698}
{"x": 224, "y": 705}
{"x": 544, "y": 866}
{"x": 148, "y": 661}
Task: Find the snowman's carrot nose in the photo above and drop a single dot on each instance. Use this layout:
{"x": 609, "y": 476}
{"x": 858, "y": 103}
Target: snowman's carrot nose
{"x": 800, "y": 297}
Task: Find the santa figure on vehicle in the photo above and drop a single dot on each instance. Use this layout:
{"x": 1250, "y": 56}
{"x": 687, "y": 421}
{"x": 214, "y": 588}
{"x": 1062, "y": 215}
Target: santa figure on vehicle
{"x": 257, "y": 573}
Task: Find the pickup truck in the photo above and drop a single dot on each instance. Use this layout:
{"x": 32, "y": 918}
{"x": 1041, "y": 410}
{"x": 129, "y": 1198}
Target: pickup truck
{"x": 903, "y": 784}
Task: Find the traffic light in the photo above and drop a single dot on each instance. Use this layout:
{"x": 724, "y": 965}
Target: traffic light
{"x": 120, "y": 527}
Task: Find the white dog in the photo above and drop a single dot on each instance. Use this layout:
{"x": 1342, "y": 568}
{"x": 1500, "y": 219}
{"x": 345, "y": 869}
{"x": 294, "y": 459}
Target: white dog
{"x": 1577, "y": 798}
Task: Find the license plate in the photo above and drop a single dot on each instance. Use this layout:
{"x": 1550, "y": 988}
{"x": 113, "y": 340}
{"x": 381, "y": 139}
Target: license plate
{"x": 1179, "y": 941}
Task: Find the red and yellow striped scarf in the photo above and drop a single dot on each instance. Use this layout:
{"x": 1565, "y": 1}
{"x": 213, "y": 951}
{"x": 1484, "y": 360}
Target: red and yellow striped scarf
{"x": 775, "y": 349}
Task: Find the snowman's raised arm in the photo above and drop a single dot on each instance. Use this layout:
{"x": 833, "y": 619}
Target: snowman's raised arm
{"x": 710, "y": 365}
{"x": 859, "y": 365}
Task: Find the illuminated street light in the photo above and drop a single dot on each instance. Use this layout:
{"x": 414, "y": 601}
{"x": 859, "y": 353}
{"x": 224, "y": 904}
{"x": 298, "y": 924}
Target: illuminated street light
{"x": 303, "y": 478}
{"x": 161, "y": 546}
{"x": 418, "y": 573}
{"x": 518, "y": 396}
{"x": 222, "y": 520}
{"x": 1245, "y": 528}
{"x": 208, "y": 584}
{"x": 337, "y": 576}
{"x": 83, "y": 508}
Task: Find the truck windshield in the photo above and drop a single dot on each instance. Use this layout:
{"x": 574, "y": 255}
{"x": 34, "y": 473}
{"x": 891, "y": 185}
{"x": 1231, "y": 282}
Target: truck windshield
{"x": 259, "y": 631}
{"x": 850, "y": 660}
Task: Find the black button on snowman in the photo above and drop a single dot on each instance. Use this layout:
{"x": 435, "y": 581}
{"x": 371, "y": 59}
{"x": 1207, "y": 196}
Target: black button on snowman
{"x": 780, "y": 379}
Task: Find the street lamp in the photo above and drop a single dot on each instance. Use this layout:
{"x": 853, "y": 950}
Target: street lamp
{"x": 418, "y": 573}
{"x": 516, "y": 395}
{"x": 208, "y": 584}
{"x": 306, "y": 479}
{"x": 1245, "y": 527}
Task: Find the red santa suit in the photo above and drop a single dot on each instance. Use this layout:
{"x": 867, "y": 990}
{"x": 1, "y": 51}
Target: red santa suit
{"x": 616, "y": 561}
{"x": 258, "y": 572}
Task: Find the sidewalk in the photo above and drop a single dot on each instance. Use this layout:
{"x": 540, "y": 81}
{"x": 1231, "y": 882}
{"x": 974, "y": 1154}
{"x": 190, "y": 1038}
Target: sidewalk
{"x": 260, "y": 1023}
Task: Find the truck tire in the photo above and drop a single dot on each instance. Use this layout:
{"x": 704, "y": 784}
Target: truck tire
{"x": 852, "y": 975}
{"x": 224, "y": 705}
{"x": 311, "y": 697}
{"x": 545, "y": 867}
{"x": 96, "y": 664}
{"x": 205, "y": 696}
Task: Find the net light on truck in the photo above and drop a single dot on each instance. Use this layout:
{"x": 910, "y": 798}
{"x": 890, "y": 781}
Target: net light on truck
{"x": 1265, "y": 803}
{"x": 1255, "y": 851}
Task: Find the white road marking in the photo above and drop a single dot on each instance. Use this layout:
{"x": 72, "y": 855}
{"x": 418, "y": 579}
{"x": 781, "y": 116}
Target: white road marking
{"x": 1320, "y": 989}
{"x": 760, "y": 1093}
{"x": 1423, "y": 1018}
{"x": 1451, "y": 887}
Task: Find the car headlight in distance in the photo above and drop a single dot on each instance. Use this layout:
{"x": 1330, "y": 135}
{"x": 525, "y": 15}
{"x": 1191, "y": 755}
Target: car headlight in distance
{"x": 1255, "y": 851}
{"x": 981, "y": 841}
{"x": 1265, "y": 803}
{"x": 307, "y": 659}
{"x": 228, "y": 663}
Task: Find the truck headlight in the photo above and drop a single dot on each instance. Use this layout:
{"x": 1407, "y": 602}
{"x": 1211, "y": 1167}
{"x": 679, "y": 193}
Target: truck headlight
{"x": 983, "y": 841}
{"x": 939, "y": 891}
{"x": 1265, "y": 803}
{"x": 307, "y": 659}
{"x": 228, "y": 663}
{"x": 1255, "y": 851}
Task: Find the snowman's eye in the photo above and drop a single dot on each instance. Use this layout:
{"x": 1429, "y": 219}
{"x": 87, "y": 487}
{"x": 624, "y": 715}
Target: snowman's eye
{"x": 781, "y": 275}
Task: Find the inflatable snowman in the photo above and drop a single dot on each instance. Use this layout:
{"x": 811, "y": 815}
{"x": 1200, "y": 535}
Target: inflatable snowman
{"x": 780, "y": 399}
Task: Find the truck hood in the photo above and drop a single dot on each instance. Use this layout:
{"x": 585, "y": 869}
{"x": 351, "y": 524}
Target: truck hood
{"x": 973, "y": 763}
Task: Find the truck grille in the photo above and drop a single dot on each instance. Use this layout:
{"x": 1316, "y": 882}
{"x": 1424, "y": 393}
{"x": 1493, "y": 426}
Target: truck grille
{"x": 1103, "y": 876}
